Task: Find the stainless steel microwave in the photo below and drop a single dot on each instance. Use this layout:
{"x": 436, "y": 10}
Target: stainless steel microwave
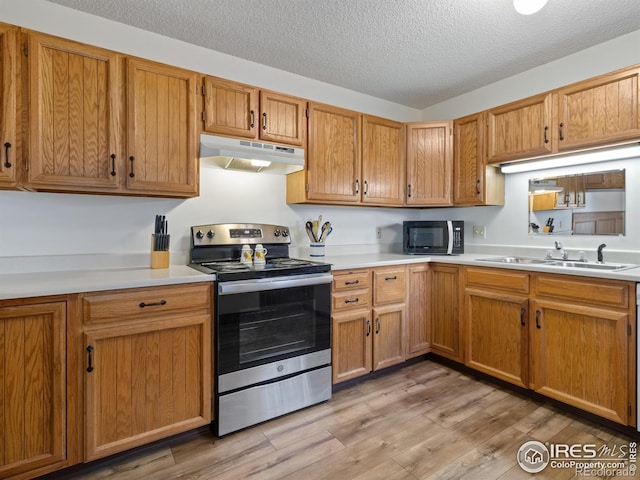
{"x": 433, "y": 237}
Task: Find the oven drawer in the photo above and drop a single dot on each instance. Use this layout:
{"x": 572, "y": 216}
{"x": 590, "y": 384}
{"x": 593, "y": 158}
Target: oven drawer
{"x": 145, "y": 303}
{"x": 351, "y": 280}
{"x": 389, "y": 285}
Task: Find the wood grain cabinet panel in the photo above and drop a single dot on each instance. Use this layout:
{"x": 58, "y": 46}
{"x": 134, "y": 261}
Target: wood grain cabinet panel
{"x": 230, "y": 108}
{"x": 418, "y": 339}
{"x": 351, "y": 346}
{"x": 146, "y": 377}
{"x": 474, "y": 183}
{"x": 581, "y": 357}
{"x": 75, "y": 116}
{"x": 600, "y": 110}
{"x": 383, "y": 161}
{"x": 520, "y": 129}
{"x": 389, "y": 285}
{"x": 429, "y": 164}
{"x": 162, "y": 130}
{"x": 33, "y": 405}
{"x": 9, "y": 81}
{"x": 445, "y": 311}
{"x": 388, "y": 335}
{"x": 333, "y": 156}
{"x": 282, "y": 118}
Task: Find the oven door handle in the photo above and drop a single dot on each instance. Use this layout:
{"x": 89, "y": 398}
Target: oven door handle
{"x": 260, "y": 285}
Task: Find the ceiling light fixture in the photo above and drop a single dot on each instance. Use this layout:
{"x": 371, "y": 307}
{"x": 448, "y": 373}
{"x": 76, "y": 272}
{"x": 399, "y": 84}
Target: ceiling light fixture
{"x": 528, "y": 7}
{"x": 620, "y": 153}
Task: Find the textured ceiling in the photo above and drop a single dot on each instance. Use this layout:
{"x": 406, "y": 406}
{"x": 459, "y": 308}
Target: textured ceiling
{"x": 411, "y": 52}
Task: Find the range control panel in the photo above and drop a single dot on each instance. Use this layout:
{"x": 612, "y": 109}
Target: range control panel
{"x": 238, "y": 233}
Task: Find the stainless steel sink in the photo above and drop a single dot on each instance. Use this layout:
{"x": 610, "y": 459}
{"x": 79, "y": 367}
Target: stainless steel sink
{"x": 589, "y": 266}
{"x": 514, "y": 260}
{"x": 558, "y": 263}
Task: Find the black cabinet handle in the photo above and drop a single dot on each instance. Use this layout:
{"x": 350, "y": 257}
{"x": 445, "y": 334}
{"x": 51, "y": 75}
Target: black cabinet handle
{"x": 113, "y": 164}
{"x": 90, "y": 358}
{"x": 131, "y": 174}
{"x": 538, "y": 313}
{"x": 522, "y": 312}
{"x": 368, "y": 328}
{"x": 356, "y": 300}
{"x": 355, "y": 282}
{"x": 357, "y": 186}
{"x": 7, "y": 163}
{"x": 395, "y": 277}
{"x": 253, "y": 119}
{"x": 377, "y": 325}
{"x": 560, "y": 131}
{"x": 264, "y": 121}
{"x": 478, "y": 187}
{"x": 546, "y": 138}
{"x": 156, "y": 304}
{"x": 409, "y": 191}
{"x": 366, "y": 187}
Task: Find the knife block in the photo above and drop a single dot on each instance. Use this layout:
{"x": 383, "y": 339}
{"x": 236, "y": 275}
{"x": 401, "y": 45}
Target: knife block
{"x": 159, "y": 258}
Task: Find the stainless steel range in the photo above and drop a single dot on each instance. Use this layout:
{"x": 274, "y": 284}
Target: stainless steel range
{"x": 272, "y": 325}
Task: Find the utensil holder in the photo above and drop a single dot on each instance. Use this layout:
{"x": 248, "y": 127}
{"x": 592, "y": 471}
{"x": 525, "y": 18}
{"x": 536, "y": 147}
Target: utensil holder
{"x": 317, "y": 250}
{"x": 159, "y": 258}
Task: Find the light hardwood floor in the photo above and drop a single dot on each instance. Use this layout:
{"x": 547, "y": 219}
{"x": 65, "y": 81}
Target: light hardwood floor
{"x": 424, "y": 421}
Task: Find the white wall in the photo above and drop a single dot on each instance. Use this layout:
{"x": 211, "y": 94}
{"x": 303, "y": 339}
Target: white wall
{"x": 57, "y": 225}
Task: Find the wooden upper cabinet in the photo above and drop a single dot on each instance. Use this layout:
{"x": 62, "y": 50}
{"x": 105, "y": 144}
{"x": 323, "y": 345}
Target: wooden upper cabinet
{"x": 520, "y": 129}
{"x": 333, "y": 156}
{"x": 162, "y": 129}
{"x": 282, "y": 118}
{"x": 240, "y": 110}
{"x": 429, "y": 164}
{"x": 383, "y": 161}
{"x": 599, "y": 111}
{"x": 75, "y": 121}
{"x": 230, "y": 108}
{"x": 33, "y": 373}
{"x": 8, "y": 90}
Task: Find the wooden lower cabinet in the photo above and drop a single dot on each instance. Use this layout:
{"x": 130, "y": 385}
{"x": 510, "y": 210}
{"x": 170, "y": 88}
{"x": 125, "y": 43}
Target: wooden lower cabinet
{"x": 445, "y": 311}
{"x": 366, "y": 339}
{"x": 147, "y": 370}
{"x": 33, "y": 389}
{"x": 418, "y": 341}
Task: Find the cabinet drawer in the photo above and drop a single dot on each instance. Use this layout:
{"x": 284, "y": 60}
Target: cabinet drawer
{"x": 351, "y": 299}
{"x": 600, "y": 292}
{"x": 389, "y": 285}
{"x": 351, "y": 280}
{"x": 145, "y": 303}
{"x": 497, "y": 278}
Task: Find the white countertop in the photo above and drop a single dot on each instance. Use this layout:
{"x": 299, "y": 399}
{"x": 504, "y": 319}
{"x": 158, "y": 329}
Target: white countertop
{"x": 23, "y": 285}
{"x": 37, "y": 284}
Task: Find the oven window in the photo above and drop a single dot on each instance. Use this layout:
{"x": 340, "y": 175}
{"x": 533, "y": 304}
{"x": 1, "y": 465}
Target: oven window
{"x": 427, "y": 237}
{"x": 261, "y": 327}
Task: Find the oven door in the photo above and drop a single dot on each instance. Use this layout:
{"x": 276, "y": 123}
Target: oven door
{"x": 263, "y": 321}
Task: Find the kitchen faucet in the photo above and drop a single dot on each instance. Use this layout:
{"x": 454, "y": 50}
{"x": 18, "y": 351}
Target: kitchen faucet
{"x": 600, "y": 256}
{"x": 562, "y": 251}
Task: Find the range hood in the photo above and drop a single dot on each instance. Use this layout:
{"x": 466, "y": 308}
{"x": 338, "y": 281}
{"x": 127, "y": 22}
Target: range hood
{"x": 249, "y": 155}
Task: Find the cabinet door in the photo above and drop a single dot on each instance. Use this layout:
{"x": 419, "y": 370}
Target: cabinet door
{"x": 388, "y": 337}
{"x": 162, "y": 130}
{"x": 429, "y": 163}
{"x": 333, "y": 156}
{"x": 418, "y": 312}
{"x": 497, "y": 339}
{"x": 579, "y": 356}
{"x": 383, "y": 161}
{"x": 599, "y": 111}
{"x": 445, "y": 311}
{"x": 351, "y": 345}
{"x": 75, "y": 116}
{"x": 468, "y": 165}
{"x": 32, "y": 388}
{"x": 8, "y": 88}
{"x": 520, "y": 129}
{"x": 282, "y": 118}
{"x": 230, "y": 108}
{"x": 146, "y": 381}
